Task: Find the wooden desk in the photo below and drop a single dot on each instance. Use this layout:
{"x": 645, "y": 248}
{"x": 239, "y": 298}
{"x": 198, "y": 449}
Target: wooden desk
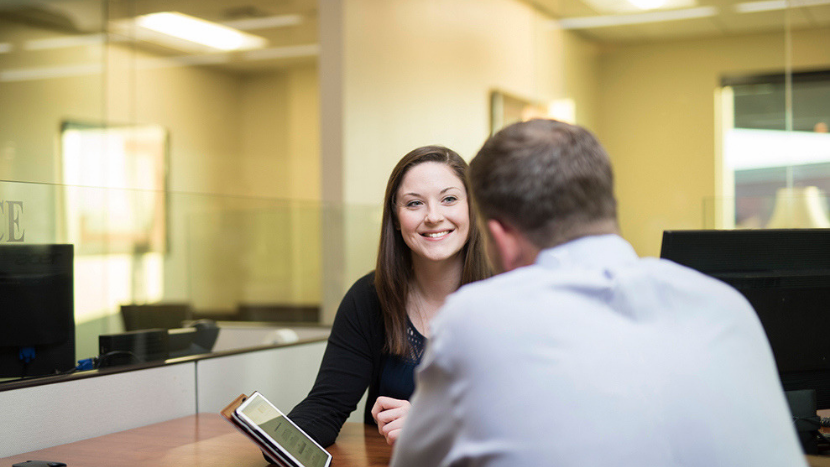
{"x": 208, "y": 440}
{"x": 203, "y": 440}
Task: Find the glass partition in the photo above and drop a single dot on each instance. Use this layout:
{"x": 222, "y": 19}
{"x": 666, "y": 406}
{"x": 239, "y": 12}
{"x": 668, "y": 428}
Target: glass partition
{"x": 185, "y": 176}
{"x": 52, "y": 67}
{"x": 225, "y": 258}
{"x": 796, "y": 208}
{"x": 776, "y": 150}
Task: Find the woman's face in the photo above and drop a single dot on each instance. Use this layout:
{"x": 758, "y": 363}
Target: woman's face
{"x": 432, "y": 210}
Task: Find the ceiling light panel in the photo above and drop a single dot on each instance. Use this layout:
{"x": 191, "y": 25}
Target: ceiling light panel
{"x": 188, "y": 33}
{"x": 640, "y": 18}
{"x": 610, "y": 7}
{"x": 772, "y": 5}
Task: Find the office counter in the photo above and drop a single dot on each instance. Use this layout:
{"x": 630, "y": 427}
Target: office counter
{"x": 201, "y": 440}
{"x": 97, "y": 403}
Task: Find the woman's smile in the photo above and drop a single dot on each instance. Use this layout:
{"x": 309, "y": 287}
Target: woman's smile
{"x": 437, "y": 235}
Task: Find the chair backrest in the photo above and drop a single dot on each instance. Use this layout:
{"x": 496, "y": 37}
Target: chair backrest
{"x": 280, "y": 313}
{"x": 156, "y": 315}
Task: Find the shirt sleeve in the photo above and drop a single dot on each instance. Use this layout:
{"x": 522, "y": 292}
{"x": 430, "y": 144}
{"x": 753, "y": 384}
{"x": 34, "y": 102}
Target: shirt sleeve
{"x": 431, "y": 427}
{"x": 346, "y": 369}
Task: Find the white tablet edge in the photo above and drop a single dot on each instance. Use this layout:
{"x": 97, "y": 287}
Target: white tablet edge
{"x": 267, "y": 439}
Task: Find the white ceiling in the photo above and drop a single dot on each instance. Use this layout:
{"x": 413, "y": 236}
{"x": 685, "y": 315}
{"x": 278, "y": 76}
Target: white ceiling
{"x": 726, "y": 20}
{"x": 298, "y": 43}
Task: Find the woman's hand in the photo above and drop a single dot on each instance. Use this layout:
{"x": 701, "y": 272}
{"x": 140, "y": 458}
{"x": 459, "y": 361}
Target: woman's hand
{"x": 389, "y": 414}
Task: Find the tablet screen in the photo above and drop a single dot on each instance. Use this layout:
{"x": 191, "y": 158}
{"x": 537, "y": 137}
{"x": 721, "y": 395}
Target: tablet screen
{"x": 270, "y": 420}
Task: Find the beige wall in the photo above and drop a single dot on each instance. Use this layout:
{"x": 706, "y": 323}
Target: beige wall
{"x": 231, "y": 134}
{"x": 580, "y": 70}
{"x": 36, "y": 98}
{"x": 263, "y": 156}
{"x": 280, "y": 132}
{"x": 270, "y": 244}
{"x": 657, "y": 120}
{"x": 303, "y": 162}
{"x": 419, "y": 72}
{"x": 200, "y": 107}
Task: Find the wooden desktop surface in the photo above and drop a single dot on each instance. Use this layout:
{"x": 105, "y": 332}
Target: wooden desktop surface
{"x": 208, "y": 440}
{"x": 200, "y": 441}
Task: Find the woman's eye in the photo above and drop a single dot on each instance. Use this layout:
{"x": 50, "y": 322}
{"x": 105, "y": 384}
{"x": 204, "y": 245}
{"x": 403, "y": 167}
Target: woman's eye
{"x": 450, "y": 199}
{"x": 413, "y": 204}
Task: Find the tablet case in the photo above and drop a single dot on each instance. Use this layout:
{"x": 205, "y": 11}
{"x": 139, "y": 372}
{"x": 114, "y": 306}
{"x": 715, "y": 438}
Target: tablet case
{"x": 227, "y": 412}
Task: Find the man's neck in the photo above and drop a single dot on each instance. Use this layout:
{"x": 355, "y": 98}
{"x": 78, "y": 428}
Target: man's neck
{"x": 600, "y": 227}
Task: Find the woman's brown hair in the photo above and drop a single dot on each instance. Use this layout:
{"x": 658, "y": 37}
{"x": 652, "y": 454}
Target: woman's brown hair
{"x": 394, "y": 267}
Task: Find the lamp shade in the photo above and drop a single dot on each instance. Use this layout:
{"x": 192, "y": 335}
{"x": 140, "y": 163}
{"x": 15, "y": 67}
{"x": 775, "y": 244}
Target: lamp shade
{"x": 799, "y": 207}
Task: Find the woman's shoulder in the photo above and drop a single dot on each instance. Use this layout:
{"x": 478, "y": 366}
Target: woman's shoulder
{"x": 362, "y": 298}
{"x": 359, "y": 310}
{"x": 364, "y": 286}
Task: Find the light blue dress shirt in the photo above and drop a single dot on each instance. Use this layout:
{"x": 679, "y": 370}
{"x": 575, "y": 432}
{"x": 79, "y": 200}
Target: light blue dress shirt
{"x": 595, "y": 357}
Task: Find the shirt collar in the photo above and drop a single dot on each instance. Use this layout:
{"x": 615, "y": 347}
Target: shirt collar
{"x": 588, "y": 252}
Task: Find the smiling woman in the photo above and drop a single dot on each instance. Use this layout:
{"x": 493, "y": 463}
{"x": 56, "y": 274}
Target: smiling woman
{"x": 430, "y": 246}
{"x": 406, "y": 270}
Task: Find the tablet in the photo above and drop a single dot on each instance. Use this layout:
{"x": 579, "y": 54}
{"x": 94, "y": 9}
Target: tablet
{"x": 283, "y": 441}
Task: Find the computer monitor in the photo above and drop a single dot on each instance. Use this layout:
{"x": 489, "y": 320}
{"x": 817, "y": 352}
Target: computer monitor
{"x": 785, "y": 275}
{"x": 37, "y": 311}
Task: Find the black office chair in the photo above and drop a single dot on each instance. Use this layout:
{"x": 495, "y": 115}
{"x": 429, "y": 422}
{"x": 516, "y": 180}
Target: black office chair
{"x": 155, "y": 315}
{"x": 279, "y": 313}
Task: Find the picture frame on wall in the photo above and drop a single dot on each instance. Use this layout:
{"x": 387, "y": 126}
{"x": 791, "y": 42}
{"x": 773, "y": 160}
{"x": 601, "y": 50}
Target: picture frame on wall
{"x": 506, "y": 109}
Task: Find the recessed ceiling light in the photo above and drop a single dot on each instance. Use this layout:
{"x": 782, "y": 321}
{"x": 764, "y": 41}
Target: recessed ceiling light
{"x": 767, "y": 5}
{"x": 189, "y": 33}
{"x": 648, "y": 4}
{"x": 612, "y": 7}
{"x": 588, "y": 22}
{"x": 771, "y": 5}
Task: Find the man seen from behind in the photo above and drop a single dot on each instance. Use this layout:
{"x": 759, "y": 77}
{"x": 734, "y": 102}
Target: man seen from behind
{"x": 581, "y": 353}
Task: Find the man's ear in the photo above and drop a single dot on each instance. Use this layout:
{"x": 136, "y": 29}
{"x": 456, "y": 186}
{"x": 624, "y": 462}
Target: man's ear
{"x": 512, "y": 248}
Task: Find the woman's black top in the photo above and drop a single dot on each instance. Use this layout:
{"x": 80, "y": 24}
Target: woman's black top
{"x": 397, "y": 379}
{"x": 354, "y": 360}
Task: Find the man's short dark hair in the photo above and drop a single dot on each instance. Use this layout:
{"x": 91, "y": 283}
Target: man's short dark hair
{"x": 550, "y": 179}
